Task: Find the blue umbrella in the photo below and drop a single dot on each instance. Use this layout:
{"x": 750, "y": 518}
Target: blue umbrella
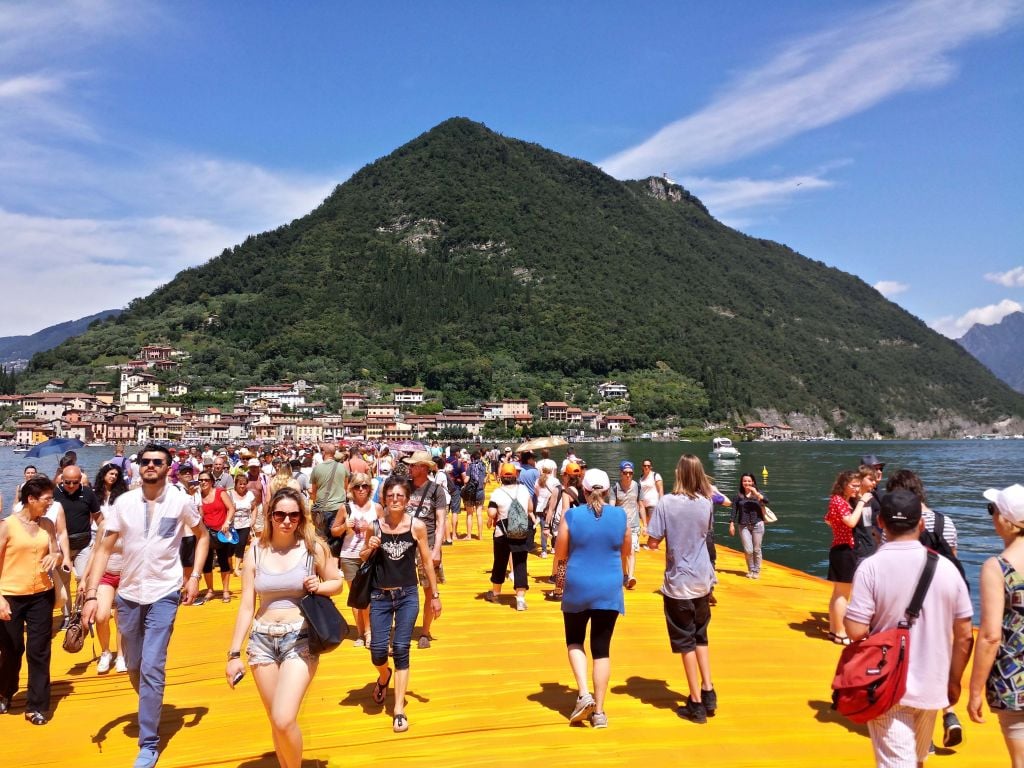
{"x": 54, "y": 445}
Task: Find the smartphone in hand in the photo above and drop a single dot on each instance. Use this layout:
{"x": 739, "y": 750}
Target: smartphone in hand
{"x": 237, "y": 678}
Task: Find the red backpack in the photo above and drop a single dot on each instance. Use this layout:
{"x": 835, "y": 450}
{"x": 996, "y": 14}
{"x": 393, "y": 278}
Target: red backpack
{"x": 871, "y": 676}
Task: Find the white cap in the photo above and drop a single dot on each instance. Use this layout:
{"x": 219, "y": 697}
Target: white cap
{"x": 1009, "y": 502}
{"x": 253, "y": 463}
{"x": 596, "y": 479}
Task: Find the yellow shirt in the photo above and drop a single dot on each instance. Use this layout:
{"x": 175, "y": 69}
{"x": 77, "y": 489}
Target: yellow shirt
{"x": 25, "y": 551}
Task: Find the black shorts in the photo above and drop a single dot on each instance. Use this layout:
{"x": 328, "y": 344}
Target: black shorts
{"x": 841, "y": 564}
{"x": 687, "y": 622}
{"x": 187, "y": 551}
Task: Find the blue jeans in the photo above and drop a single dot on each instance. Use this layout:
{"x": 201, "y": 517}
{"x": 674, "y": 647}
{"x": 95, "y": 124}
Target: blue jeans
{"x": 398, "y": 608}
{"x": 146, "y": 631}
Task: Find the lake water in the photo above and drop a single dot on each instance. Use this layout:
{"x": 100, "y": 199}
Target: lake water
{"x": 800, "y": 476}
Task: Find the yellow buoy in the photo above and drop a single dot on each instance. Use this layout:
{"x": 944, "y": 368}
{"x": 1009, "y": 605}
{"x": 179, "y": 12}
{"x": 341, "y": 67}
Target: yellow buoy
{"x": 764, "y": 471}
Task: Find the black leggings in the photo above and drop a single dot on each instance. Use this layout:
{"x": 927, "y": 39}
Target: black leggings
{"x": 520, "y": 579}
{"x": 223, "y": 553}
{"x": 602, "y": 625}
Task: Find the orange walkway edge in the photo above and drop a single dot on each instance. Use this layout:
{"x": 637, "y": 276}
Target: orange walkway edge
{"x": 495, "y": 689}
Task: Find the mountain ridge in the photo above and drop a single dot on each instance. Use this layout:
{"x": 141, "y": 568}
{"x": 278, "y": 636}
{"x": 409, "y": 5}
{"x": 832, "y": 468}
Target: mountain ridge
{"x": 1000, "y": 348}
{"x": 483, "y": 266}
{"x": 19, "y": 349}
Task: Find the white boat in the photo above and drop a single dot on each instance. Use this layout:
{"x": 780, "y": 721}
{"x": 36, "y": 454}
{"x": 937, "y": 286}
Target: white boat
{"x": 722, "y": 448}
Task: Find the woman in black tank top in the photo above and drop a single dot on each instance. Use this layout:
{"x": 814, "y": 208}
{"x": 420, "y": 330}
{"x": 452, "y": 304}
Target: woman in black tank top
{"x": 394, "y": 600}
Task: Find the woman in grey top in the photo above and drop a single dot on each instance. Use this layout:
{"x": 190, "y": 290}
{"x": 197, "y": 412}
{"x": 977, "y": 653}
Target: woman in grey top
{"x": 287, "y": 562}
{"x": 681, "y": 519}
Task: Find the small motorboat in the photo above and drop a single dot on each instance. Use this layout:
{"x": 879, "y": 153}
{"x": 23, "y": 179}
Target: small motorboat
{"x": 722, "y": 448}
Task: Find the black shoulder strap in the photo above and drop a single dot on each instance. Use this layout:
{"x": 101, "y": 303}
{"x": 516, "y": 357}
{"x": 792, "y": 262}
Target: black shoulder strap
{"x": 914, "y": 609}
{"x": 428, "y": 491}
{"x": 939, "y": 526}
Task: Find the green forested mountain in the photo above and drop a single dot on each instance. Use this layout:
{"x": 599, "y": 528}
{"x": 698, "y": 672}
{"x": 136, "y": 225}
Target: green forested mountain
{"x": 486, "y": 266}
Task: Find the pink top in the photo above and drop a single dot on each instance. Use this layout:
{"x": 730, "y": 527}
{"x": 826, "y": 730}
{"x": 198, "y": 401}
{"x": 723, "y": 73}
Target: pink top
{"x": 838, "y": 508}
{"x": 882, "y": 588}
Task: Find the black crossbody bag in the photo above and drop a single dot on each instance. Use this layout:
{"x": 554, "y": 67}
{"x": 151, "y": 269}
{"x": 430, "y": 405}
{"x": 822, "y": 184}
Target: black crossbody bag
{"x": 327, "y": 627}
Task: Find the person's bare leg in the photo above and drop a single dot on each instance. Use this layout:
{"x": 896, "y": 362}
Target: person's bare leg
{"x": 578, "y": 664}
{"x": 602, "y": 672}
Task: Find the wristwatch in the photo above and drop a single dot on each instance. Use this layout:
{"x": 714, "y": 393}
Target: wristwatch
{"x": 436, "y": 596}
{"x": 234, "y": 655}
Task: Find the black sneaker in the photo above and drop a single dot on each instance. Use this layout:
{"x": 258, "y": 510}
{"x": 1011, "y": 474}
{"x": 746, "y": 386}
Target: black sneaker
{"x": 694, "y": 712}
{"x": 952, "y": 733}
{"x": 5, "y": 704}
{"x": 710, "y": 701}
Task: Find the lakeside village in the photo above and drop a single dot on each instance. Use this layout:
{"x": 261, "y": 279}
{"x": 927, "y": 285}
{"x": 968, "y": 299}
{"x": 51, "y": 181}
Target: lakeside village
{"x": 143, "y": 410}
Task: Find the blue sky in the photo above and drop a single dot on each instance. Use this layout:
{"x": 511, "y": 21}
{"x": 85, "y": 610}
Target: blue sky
{"x": 140, "y": 138}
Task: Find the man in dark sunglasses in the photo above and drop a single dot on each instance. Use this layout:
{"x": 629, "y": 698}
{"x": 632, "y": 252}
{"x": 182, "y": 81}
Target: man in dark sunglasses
{"x": 81, "y": 509}
{"x": 151, "y": 521}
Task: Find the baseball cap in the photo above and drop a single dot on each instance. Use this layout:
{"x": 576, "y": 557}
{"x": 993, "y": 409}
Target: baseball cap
{"x": 508, "y": 470}
{"x": 1009, "y": 502}
{"x": 253, "y": 463}
{"x": 870, "y": 460}
{"x": 596, "y": 480}
{"x": 901, "y": 506}
{"x": 625, "y": 465}
{"x": 572, "y": 468}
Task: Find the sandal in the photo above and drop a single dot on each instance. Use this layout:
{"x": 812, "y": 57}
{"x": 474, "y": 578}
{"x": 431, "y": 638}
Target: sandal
{"x": 400, "y": 723}
{"x": 210, "y": 594}
{"x": 381, "y": 691}
{"x": 36, "y": 718}
{"x": 226, "y": 598}
{"x": 838, "y": 639}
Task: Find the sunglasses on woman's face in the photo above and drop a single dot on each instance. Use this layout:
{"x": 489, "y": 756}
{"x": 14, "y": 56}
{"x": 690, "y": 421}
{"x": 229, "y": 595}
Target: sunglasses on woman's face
{"x": 280, "y": 517}
{"x": 992, "y": 508}
{"x": 396, "y": 496}
{"x": 362, "y": 487}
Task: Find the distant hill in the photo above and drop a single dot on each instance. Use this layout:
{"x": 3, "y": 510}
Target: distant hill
{"x": 1000, "y": 348}
{"x": 16, "y": 350}
{"x": 482, "y": 267}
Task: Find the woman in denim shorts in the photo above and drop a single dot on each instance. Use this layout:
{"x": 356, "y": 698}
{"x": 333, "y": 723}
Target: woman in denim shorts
{"x": 394, "y": 600}
{"x": 285, "y": 563}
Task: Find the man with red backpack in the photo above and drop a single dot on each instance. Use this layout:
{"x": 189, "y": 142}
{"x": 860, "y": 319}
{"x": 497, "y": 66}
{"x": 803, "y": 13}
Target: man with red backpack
{"x": 940, "y": 638}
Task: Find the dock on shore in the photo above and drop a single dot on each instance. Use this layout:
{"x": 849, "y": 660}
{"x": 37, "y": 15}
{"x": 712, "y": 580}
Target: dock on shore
{"x": 495, "y": 689}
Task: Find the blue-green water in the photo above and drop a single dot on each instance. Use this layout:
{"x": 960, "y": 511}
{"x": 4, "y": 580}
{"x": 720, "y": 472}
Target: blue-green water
{"x": 799, "y": 478}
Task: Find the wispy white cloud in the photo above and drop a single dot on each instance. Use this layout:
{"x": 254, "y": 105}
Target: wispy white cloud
{"x": 1013, "y": 278}
{"x": 726, "y": 196}
{"x": 93, "y": 221}
{"x": 29, "y": 85}
{"x": 890, "y": 288}
{"x": 955, "y": 327}
{"x": 819, "y": 80}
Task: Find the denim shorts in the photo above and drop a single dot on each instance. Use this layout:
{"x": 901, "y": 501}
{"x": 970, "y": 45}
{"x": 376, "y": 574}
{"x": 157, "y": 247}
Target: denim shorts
{"x": 266, "y": 648}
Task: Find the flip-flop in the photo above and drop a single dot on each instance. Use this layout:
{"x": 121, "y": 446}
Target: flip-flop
{"x": 838, "y": 639}
{"x": 381, "y": 691}
{"x": 226, "y": 597}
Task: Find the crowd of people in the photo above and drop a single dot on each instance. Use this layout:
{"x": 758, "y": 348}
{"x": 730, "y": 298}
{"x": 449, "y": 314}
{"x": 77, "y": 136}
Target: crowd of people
{"x": 136, "y": 542}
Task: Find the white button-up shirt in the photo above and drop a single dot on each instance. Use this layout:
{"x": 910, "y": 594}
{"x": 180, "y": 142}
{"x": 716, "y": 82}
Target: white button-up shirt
{"x": 151, "y": 532}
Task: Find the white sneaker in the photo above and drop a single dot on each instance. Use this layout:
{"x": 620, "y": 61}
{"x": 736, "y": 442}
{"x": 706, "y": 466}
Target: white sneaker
{"x": 520, "y": 603}
{"x": 106, "y": 658}
{"x": 120, "y": 664}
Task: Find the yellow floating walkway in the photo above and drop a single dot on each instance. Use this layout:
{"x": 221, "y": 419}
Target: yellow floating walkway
{"x": 495, "y": 690}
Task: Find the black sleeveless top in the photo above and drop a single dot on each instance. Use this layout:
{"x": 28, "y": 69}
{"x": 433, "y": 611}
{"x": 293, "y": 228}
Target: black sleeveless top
{"x": 396, "y": 562}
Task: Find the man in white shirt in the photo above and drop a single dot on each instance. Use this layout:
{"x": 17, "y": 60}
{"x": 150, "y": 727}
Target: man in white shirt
{"x": 940, "y": 639}
{"x": 151, "y": 522}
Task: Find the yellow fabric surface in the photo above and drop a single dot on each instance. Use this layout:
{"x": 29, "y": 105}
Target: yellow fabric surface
{"x": 496, "y": 690}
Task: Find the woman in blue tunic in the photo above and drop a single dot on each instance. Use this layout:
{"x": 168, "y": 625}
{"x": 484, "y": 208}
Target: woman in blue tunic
{"x": 592, "y": 545}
